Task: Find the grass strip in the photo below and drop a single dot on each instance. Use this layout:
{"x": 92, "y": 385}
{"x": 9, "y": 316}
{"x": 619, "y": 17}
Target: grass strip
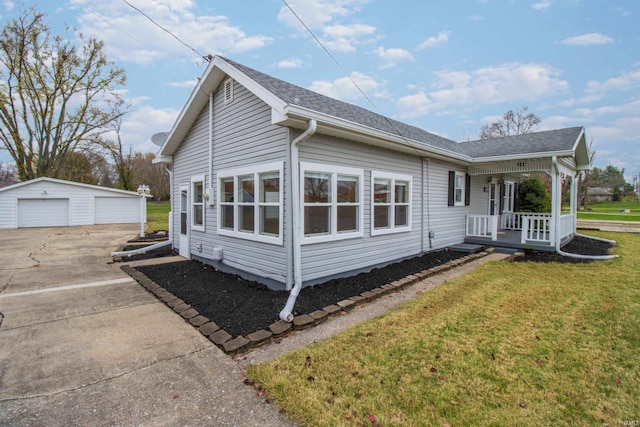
{"x": 508, "y": 344}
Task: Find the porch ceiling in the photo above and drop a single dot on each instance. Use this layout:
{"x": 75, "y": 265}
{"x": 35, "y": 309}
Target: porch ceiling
{"x": 516, "y": 166}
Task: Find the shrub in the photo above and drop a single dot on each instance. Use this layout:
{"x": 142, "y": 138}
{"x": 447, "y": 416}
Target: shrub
{"x": 533, "y": 196}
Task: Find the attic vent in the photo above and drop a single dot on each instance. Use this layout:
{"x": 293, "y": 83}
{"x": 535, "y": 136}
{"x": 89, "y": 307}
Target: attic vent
{"x": 228, "y": 91}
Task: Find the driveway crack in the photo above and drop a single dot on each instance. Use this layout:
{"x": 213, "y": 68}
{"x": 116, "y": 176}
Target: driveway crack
{"x": 104, "y": 380}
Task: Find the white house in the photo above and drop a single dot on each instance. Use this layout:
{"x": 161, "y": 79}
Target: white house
{"x": 291, "y": 187}
{"x": 48, "y": 202}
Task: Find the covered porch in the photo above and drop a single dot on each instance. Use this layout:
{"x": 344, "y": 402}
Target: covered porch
{"x": 502, "y": 224}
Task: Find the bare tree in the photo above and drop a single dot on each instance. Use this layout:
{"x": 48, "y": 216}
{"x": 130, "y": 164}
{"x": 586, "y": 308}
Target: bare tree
{"x": 123, "y": 162}
{"x": 56, "y": 97}
{"x": 8, "y": 174}
{"x": 152, "y": 174}
{"x": 512, "y": 123}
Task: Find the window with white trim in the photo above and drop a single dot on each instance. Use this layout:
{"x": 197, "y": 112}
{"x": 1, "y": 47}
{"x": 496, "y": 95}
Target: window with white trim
{"x": 331, "y": 202}
{"x": 250, "y": 203}
{"x": 391, "y": 203}
{"x": 197, "y": 203}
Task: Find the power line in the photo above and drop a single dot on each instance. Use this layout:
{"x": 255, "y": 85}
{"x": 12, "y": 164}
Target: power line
{"x": 335, "y": 61}
{"x": 205, "y": 57}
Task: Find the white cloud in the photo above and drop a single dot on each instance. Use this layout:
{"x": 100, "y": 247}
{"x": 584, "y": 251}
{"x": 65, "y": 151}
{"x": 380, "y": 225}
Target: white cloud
{"x": 587, "y": 39}
{"x": 317, "y": 14}
{"x": 625, "y": 81}
{"x": 345, "y": 38}
{"x": 344, "y": 89}
{"x": 186, "y": 84}
{"x": 129, "y": 36}
{"x": 442, "y": 37}
{"x": 545, "y": 4}
{"x": 392, "y": 56}
{"x": 476, "y": 18}
{"x": 8, "y": 5}
{"x": 510, "y": 82}
{"x": 139, "y": 125}
{"x": 290, "y": 63}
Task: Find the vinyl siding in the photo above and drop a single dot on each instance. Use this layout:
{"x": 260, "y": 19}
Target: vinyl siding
{"x": 364, "y": 252}
{"x": 447, "y": 222}
{"x": 242, "y": 136}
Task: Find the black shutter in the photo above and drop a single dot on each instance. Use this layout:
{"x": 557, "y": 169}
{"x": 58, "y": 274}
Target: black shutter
{"x": 452, "y": 183}
{"x": 516, "y": 196}
{"x": 467, "y": 189}
{"x": 502, "y": 190}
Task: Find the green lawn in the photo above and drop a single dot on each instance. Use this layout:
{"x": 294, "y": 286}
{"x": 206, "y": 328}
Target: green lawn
{"x": 157, "y": 215}
{"x": 508, "y": 344}
{"x": 610, "y": 211}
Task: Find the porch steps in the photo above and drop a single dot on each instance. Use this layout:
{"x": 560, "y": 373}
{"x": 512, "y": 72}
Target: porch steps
{"x": 467, "y": 248}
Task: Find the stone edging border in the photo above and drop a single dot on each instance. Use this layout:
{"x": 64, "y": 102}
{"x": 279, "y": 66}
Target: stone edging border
{"x": 241, "y": 344}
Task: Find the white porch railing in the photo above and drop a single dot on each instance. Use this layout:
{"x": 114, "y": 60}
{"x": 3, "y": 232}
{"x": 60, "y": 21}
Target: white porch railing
{"x": 567, "y": 226}
{"x": 536, "y": 228}
{"x": 482, "y": 226}
{"x": 513, "y": 220}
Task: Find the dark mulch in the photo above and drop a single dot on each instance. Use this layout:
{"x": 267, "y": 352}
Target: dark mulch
{"x": 578, "y": 245}
{"x": 153, "y": 236}
{"x": 241, "y": 306}
{"x": 154, "y": 253}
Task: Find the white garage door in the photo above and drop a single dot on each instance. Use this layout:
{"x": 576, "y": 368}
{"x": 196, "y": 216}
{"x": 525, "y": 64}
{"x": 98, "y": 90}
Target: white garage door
{"x": 43, "y": 212}
{"x": 117, "y": 210}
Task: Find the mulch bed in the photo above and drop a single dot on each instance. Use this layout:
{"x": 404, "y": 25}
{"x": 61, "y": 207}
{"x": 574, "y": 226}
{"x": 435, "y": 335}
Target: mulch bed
{"x": 241, "y": 306}
{"x": 578, "y": 245}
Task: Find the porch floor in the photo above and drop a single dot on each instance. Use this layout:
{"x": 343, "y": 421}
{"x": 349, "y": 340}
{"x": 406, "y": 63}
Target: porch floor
{"x": 509, "y": 239}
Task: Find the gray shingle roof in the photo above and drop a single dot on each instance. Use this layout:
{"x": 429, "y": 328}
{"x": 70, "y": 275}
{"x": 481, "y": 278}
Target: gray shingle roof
{"x": 314, "y": 101}
{"x": 539, "y": 142}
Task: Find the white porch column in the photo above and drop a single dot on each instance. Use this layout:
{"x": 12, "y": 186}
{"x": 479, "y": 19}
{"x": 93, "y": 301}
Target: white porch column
{"x": 556, "y": 201}
{"x": 574, "y": 202}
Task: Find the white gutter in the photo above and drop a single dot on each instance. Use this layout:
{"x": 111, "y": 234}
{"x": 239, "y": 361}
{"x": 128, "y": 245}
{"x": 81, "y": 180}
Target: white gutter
{"x": 209, "y": 192}
{"x": 554, "y": 161}
{"x": 287, "y": 312}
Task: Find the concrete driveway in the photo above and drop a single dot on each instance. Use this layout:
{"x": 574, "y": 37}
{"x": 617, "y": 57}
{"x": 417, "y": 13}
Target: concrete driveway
{"x": 83, "y": 344}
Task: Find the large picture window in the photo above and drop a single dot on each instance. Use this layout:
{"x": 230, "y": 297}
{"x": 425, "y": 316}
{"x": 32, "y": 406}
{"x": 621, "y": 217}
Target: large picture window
{"x": 250, "y": 203}
{"x": 332, "y": 202}
{"x": 391, "y": 203}
{"x": 197, "y": 203}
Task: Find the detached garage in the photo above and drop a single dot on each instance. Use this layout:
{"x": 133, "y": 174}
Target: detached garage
{"x": 48, "y": 202}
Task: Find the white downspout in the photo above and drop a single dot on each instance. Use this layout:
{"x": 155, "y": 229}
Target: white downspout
{"x": 557, "y": 202}
{"x": 287, "y": 312}
{"x": 209, "y": 193}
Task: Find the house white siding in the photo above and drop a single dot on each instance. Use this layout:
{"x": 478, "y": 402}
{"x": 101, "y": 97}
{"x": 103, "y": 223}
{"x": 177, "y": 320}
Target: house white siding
{"x": 46, "y": 202}
{"x": 242, "y": 136}
{"x": 362, "y": 252}
{"x": 446, "y": 222}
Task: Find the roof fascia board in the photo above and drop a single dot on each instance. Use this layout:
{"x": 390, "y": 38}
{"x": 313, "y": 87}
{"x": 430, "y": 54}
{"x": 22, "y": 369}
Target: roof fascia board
{"x": 331, "y": 122}
{"x": 523, "y": 156}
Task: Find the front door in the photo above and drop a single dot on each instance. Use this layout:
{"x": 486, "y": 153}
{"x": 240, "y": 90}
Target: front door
{"x": 184, "y": 222}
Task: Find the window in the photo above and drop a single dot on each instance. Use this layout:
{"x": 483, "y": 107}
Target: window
{"x": 332, "y": 202}
{"x": 391, "y": 203}
{"x": 228, "y": 91}
{"x": 459, "y": 189}
{"x": 197, "y": 203}
{"x": 250, "y": 203}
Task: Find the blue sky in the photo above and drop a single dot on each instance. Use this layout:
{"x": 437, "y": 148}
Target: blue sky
{"x": 448, "y": 67}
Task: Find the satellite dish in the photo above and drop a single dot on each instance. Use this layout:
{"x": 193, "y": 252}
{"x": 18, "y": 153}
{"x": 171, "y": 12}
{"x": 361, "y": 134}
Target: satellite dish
{"x": 159, "y": 138}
